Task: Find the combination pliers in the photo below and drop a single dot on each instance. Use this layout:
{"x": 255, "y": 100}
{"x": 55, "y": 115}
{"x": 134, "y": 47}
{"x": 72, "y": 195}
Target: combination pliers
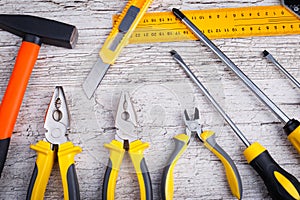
{"x": 55, "y": 146}
{"x": 193, "y": 126}
{"x": 126, "y": 139}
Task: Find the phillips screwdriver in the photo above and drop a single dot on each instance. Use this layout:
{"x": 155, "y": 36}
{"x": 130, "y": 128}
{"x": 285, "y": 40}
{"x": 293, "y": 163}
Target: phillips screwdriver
{"x": 280, "y": 184}
{"x": 292, "y": 126}
{"x": 270, "y": 58}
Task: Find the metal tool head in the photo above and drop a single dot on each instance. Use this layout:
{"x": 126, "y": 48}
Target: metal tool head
{"x": 57, "y": 120}
{"x": 125, "y": 119}
{"x": 192, "y": 123}
{"x": 47, "y": 31}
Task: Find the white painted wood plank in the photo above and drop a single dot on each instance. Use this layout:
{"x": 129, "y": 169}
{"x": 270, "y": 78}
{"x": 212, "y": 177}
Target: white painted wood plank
{"x": 160, "y": 90}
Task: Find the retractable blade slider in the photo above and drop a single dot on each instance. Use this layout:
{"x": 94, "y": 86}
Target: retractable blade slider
{"x": 281, "y": 115}
{"x": 178, "y": 58}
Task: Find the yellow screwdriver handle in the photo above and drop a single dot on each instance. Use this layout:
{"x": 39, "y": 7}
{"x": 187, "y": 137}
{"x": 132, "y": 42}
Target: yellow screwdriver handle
{"x": 294, "y": 138}
{"x": 136, "y": 153}
{"x": 66, "y": 153}
{"x": 112, "y": 170}
{"x": 122, "y": 30}
{"x": 167, "y": 181}
{"x": 292, "y": 129}
{"x": 232, "y": 174}
{"x": 42, "y": 170}
{"x": 280, "y": 184}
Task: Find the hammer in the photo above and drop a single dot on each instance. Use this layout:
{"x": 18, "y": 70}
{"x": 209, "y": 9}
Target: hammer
{"x": 34, "y": 31}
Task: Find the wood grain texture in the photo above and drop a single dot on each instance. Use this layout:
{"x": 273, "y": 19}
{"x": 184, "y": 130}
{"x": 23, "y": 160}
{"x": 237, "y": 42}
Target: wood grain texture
{"x": 160, "y": 91}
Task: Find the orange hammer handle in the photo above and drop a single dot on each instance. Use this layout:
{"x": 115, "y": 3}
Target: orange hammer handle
{"x": 14, "y": 94}
{"x": 16, "y": 88}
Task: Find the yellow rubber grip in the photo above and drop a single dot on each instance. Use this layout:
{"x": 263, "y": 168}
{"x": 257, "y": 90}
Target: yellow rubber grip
{"x": 294, "y": 138}
{"x": 287, "y": 185}
{"x": 136, "y": 152}
{"x": 232, "y": 174}
{"x": 66, "y": 153}
{"x": 44, "y": 163}
{"x": 253, "y": 151}
{"x": 167, "y": 182}
{"x": 130, "y": 20}
{"x": 111, "y": 174}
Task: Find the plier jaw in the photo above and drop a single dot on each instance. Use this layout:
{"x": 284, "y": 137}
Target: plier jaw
{"x": 57, "y": 120}
{"x": 193, "y": 125}
{"x": 126, "y": 140}
{"x": 126, "y": 122}
{"x": 55, "y": 147}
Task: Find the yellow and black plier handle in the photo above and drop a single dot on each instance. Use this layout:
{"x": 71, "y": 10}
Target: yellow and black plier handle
{"x": 136, "y": 152}
{"x": 167, "y": 181}
{"x": 208, "y": 138}
{"x": 45, "y": 159}
{"x": 231, "y": 171}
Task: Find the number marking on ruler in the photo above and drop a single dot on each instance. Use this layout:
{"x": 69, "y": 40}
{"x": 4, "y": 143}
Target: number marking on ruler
{"x": 217, "y": 23}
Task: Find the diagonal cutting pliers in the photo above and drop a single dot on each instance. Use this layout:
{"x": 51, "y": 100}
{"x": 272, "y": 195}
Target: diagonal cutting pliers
{"x": 193, "y": 126}
{"x": 126, "y": 139}
{"x": 55, "y": 146}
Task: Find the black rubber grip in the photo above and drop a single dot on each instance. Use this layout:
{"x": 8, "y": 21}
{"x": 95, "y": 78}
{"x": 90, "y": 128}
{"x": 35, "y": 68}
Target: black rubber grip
{"x": 147, "y": 180}
{"x": 73, "y": 186}
{"x": 290, "y": 126}
{"x": 266, "y": 167}
{"x": 106, "y": 179}
{"x": 32, "y": 181}
{"x": 4, "y": 144}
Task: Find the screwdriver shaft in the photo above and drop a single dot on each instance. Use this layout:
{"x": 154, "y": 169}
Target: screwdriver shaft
{"x": 281, "y": 115}
{"x": 280, "y": 67}
{"x": 178, "y": 58}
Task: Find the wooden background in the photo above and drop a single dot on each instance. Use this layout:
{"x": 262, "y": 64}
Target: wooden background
{"x": 160, "y": 91}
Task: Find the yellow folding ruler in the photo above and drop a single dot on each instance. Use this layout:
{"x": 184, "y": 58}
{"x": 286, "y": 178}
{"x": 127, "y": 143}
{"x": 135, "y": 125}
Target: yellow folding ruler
{"x": 217, "y": 23}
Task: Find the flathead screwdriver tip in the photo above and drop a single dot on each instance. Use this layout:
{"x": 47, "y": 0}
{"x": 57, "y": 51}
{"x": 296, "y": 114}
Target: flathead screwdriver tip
{"x": 178, "y": 13}
{"x": 173, "y": 52}
{"x": 265, "y": 53}
{"x": 176, "y": 56}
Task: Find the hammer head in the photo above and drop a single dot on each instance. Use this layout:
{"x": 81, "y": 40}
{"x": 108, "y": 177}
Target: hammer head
{"x": 47, "y": 31}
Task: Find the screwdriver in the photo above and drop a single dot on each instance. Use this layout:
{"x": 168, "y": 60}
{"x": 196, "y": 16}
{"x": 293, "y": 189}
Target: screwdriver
{"x": 270, "y": 58}
{"x": 292, "y": 126}
{"x": 280, "y": 184}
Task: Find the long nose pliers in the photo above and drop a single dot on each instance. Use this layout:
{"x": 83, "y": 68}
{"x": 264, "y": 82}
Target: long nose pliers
{"x": 126, "y": 139}
{"x": 193, "y": 126}
{"x": 55, "y": 146}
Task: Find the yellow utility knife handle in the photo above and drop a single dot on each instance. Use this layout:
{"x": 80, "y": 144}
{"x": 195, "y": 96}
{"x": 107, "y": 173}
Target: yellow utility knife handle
{"x": 66, "y": 153}
{"x": 167, "y": 181}
{"x": 232, "y": 174}
{"x": 292, "y": 129}
{"x": 122, "y": 30}
{"x": 42, "y": 170}
{"x": 112, "y": 170}
{"x": 136, "y": 153}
